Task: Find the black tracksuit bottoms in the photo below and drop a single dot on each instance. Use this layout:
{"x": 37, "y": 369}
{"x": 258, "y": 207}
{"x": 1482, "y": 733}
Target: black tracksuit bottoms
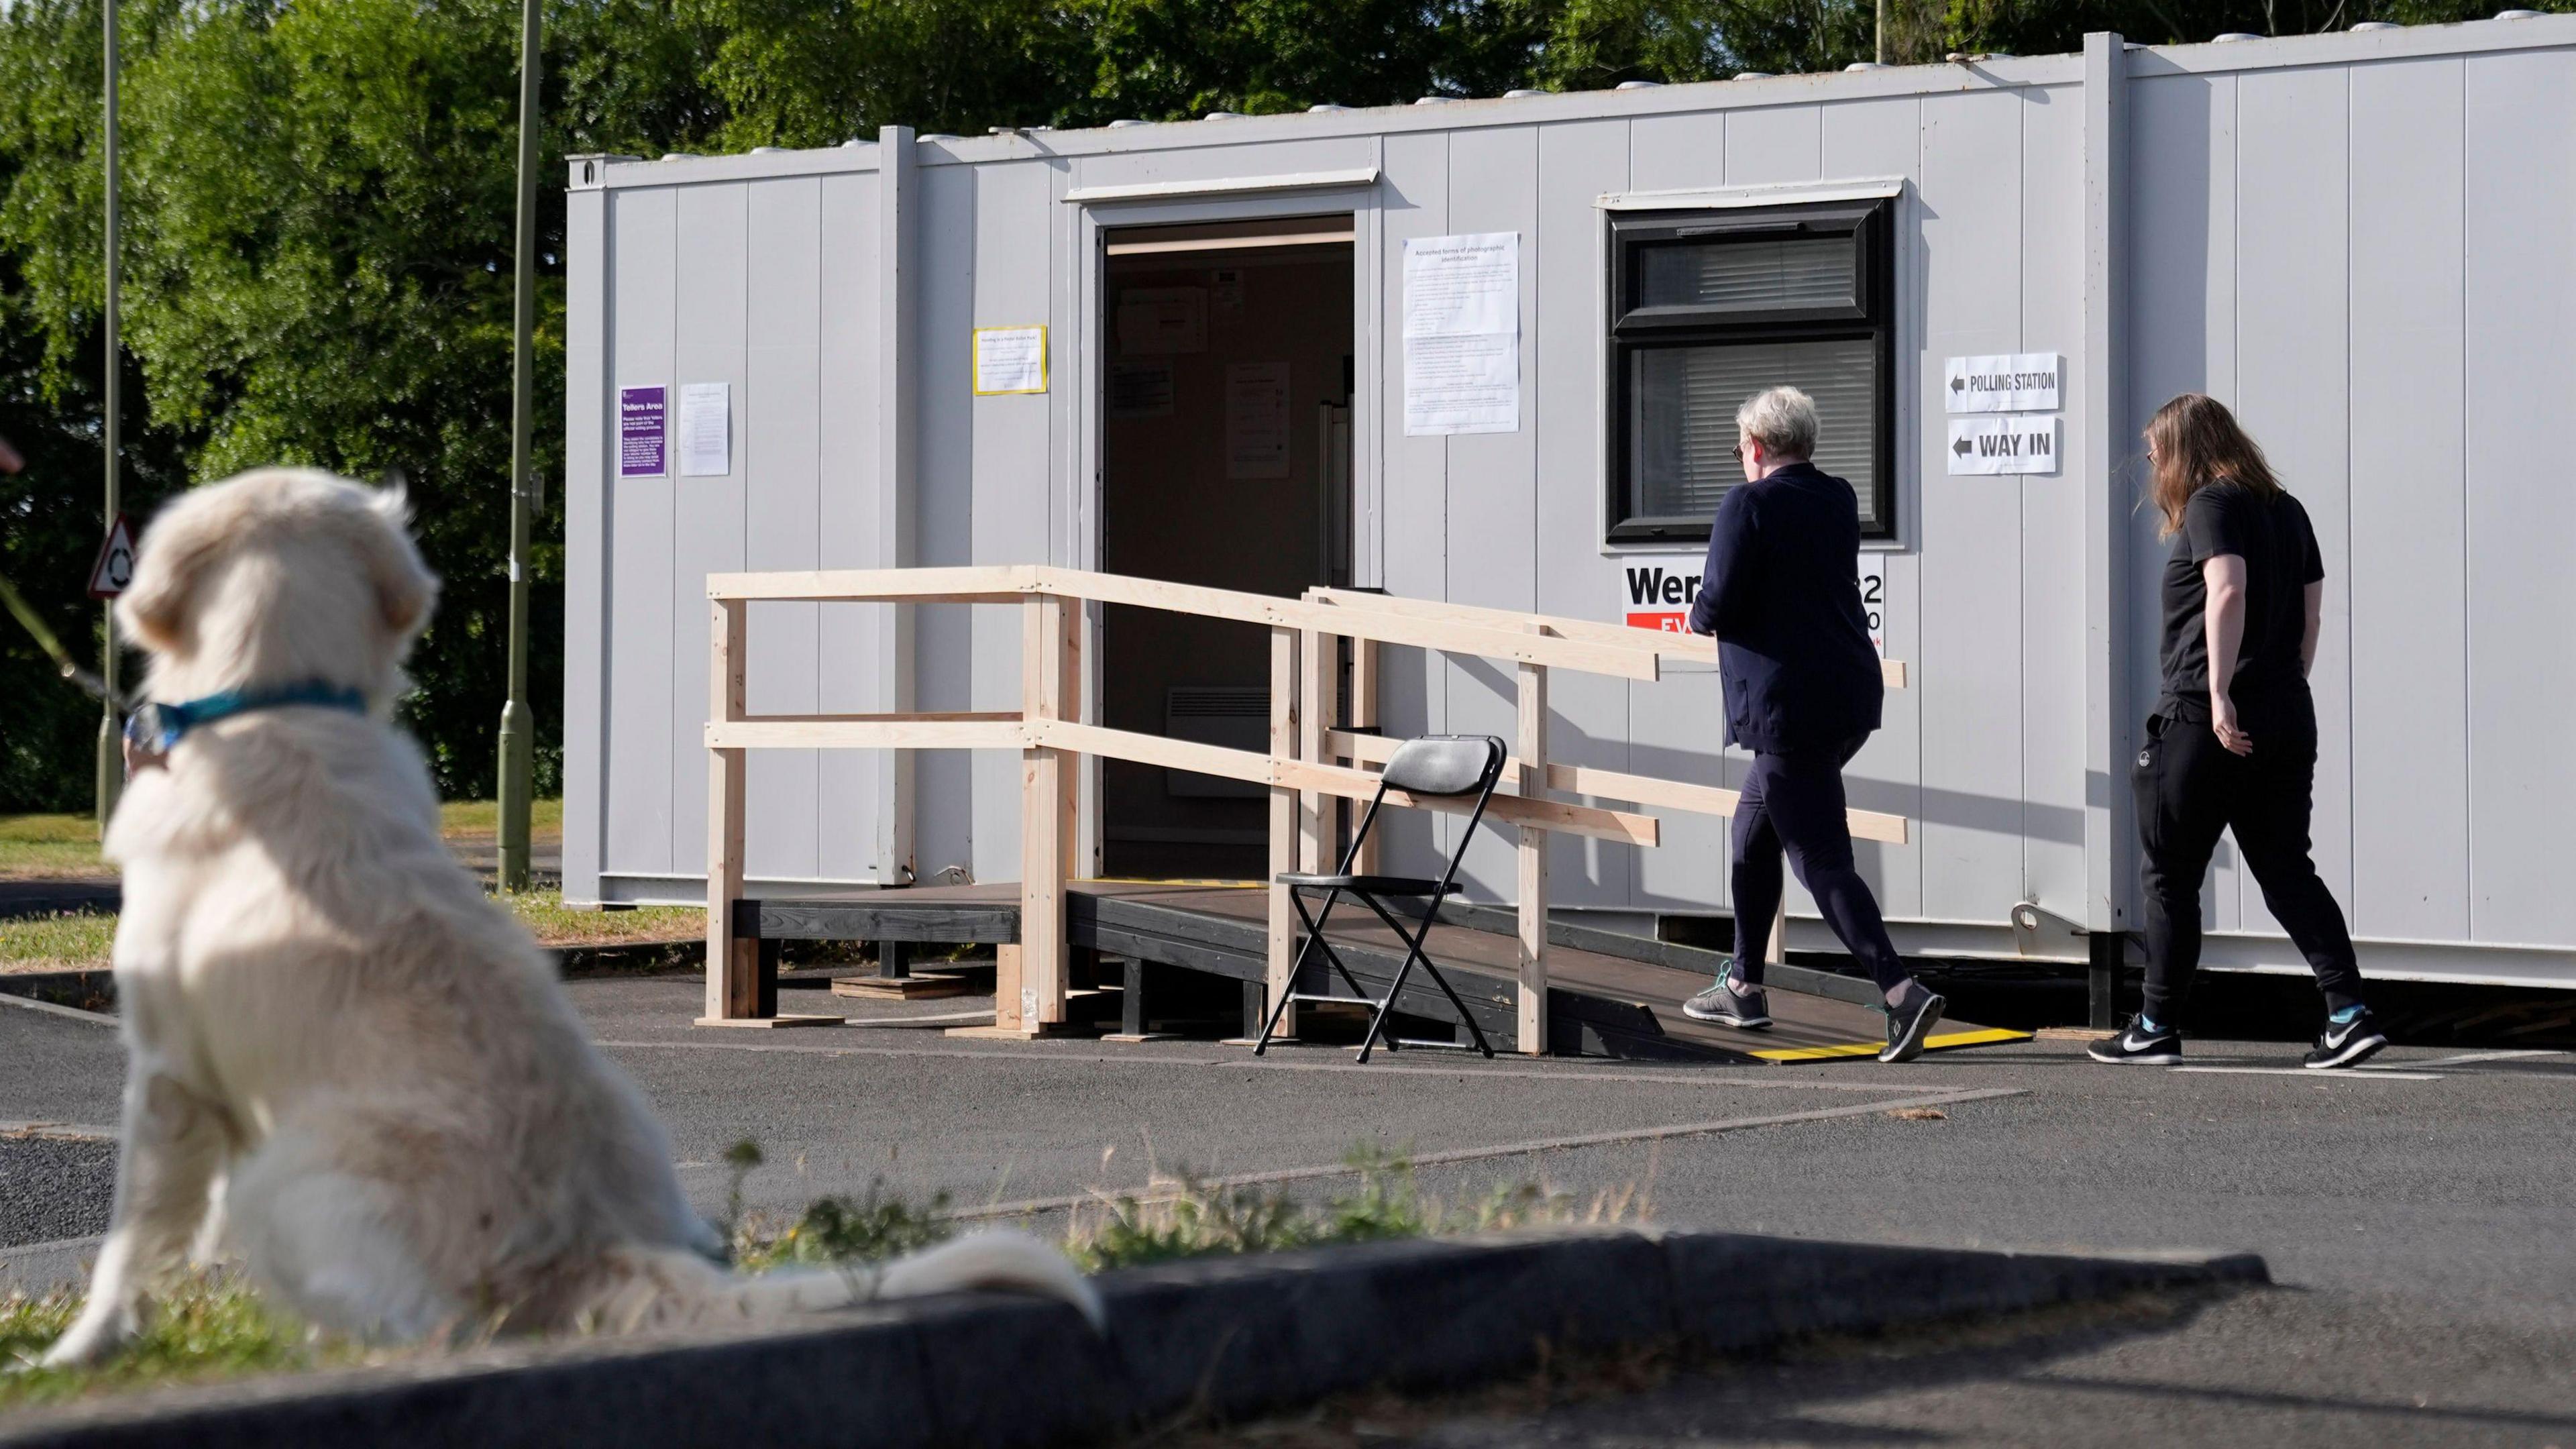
{"x": 1795, "y": 800}
{"x": 2189, "y": 788}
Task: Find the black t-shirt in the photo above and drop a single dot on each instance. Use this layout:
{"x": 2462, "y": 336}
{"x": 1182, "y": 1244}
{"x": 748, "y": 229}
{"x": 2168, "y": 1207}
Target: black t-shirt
{"x": 2281, "y": 559}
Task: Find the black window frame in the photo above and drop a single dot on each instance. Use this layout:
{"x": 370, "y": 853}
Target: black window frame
{"x": 1871, "y": 316}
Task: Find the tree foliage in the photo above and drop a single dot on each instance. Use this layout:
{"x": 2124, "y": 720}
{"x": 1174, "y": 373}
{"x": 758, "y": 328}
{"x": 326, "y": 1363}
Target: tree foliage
{"x": 319, "y": 218}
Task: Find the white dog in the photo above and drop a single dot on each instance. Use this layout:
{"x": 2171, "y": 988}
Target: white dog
{"x": 339, "y": 1049}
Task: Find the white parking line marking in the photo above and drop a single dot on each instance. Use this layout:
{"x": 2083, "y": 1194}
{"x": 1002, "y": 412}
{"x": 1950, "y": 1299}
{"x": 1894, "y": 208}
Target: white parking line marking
{"x": 2467, "y": 1057}
{"x": 2316, "y": 1072}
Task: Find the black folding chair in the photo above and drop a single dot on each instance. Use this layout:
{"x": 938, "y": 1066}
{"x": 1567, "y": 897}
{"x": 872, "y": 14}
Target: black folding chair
{"x": 1432, "y": 765}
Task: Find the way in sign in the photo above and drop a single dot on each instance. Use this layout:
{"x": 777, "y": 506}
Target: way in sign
{"x": 2004, "y": 445}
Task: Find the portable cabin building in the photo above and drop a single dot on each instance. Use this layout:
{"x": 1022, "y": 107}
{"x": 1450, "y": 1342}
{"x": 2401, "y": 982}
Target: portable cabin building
{"x": 1488, "y": 352}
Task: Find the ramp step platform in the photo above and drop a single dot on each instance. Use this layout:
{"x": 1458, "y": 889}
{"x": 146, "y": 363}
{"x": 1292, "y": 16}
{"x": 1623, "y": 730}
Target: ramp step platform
{"x": 1609, "y": 994}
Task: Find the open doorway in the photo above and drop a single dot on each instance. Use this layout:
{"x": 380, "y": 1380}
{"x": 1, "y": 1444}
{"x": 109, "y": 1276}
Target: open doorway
{"x": 1225, "y": 462}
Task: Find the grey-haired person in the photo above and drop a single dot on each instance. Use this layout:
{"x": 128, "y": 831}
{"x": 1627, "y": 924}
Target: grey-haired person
{"x": 1802, "y": 693}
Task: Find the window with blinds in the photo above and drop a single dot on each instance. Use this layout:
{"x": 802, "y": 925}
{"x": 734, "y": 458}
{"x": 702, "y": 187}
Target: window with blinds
{"x": 1711, "y": 308}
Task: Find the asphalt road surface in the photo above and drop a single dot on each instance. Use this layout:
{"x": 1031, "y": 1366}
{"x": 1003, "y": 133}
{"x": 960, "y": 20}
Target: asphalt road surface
{"x": 2419, "y": 1216}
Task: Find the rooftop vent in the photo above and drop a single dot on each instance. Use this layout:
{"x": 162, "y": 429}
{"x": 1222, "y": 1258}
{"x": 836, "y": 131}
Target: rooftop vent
{"x": 768, "y": 150}
{"x": 1754, "y": 74}
{"x": 1121, "y": 125}
{"x": 933, "y": 136}
{"x": 1864, "y": 65}
{"x": 1324, "y": 108}
{"x": 1225, "y": 115}
{"x": 1520, "y": 94}
{"x": 853, "y": 141}
{"x": 1434, "y": 100}
{"x": 2517, "y": 15}
{"x": 2233, "y": 36}
{"x": 1637, "y": 85}
{"x": 2362, "y": 25}
{"x": 679, "y": 155}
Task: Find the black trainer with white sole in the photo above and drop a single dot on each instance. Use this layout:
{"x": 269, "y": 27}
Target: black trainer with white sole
{"x": 1910, "y": 1023}
{"x": 2135, "y": 1045}
{"x": 2346, "y": 1043}
{"x": 1731, "y": 1003}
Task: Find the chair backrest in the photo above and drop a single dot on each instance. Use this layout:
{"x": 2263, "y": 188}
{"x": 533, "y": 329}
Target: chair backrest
{"x": 1446, "y": 764}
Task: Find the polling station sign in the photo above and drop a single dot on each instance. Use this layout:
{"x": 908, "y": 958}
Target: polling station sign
{"x": 2010, "y": 382}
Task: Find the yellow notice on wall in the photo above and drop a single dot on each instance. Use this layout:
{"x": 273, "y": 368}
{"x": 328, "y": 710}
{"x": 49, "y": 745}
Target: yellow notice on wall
{"x": 1010, "y": 360}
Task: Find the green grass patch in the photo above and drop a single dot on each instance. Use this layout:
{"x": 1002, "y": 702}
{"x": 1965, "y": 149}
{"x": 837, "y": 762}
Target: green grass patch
{"x": 49, "y": 847}
{"x": 212, "y": 1326}
{"x": 70, "y": 941}
{"x": 215, "y": 1327}
{"x": 483, "y": 817}
{"x": 555, "y": 924}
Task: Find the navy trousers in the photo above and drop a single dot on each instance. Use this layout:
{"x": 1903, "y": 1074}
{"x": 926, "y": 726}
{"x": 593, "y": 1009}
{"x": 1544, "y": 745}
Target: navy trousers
{"x": 1793, "y": 803}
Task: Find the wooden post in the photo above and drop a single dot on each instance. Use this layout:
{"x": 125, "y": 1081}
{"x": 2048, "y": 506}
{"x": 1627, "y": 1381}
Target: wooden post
{"x": 1044, "y": 819}
{"x": 733, "y": 964}
{"x": 1316, "y": 692}
{"x": 1531, "y": 751}
{"x": 1283, "y": 824}
{"x": 1364, "y": 715}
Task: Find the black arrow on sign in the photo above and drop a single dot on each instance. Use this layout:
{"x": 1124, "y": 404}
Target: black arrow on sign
{"x": 1958, "y": 384}
{"x": 1960, "y": 447}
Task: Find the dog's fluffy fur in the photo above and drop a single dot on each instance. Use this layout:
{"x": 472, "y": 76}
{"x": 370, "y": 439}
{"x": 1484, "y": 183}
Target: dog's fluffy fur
{"x": 339, "y": 1049}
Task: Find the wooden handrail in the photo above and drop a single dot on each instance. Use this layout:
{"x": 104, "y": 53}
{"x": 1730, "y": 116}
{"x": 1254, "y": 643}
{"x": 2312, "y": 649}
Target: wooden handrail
{"x": 1300, "y": 768}
{"x": 1688, "y": 648}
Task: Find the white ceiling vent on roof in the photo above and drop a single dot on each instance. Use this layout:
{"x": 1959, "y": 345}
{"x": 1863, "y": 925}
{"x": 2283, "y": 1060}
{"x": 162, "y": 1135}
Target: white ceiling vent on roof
{"x": 2361, "y": 25}
{"x": 1516, "y": 95}
{"x": 1123, "y": 125}
{"x": 1637, "y": 85}
{"x": 1864, "y": 65}
{"x": 2517, "y": 15}
{"x": 1434, "y": 100}
{"x": 2232, "y": 37}
{"x": 1225, "y": 115}
{"x": 1755, "y": 74}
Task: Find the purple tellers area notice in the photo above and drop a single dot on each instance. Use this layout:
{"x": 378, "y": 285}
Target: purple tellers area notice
{"x": 643, "y": 418}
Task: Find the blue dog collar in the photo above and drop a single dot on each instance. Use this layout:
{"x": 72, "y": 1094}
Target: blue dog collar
{"x": 157, "y": 727}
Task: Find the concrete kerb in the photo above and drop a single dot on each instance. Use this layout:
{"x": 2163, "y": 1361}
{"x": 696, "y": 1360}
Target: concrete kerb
{"x": 94, "y": 991}
{"x": 1227, "y": 1337}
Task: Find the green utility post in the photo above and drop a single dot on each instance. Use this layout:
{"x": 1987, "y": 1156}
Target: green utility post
{"x": 111, "y": 750}
{"x": 518, "y": 727}
{"x": 1883, "y": 7}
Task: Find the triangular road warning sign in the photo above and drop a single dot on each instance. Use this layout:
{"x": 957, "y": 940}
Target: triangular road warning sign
{"x": 115, "y": 567}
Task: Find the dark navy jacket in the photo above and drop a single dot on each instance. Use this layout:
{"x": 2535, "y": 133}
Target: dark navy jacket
{"x": 1780, "y": 592}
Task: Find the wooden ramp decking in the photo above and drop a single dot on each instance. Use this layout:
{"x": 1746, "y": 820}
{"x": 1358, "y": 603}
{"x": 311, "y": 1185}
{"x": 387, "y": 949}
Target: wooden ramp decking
{"x": 1609, "y": 995}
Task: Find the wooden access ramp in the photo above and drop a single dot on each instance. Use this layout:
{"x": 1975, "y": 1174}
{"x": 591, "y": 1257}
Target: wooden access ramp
{"x": 1609, "y": 995}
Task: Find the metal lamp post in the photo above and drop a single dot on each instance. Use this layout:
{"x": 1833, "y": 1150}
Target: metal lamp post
{"x": 111, "y": 755}
{"x": 518, "y": 726}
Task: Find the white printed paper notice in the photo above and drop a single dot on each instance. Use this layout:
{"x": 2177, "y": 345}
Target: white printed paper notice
{"x": 706, "y": 429}
{"x": 1462, "y": 334}
{"x": 1256, "y": 420}
{"x": 2011, "y": 382}
{"x": 1010, "y": 360}
{"x": 1873, "y": 598}
{"x": 2003, "y": 445}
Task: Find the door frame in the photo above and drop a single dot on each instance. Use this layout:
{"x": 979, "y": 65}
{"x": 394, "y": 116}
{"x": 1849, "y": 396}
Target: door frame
{"x": 1086, "y": 447}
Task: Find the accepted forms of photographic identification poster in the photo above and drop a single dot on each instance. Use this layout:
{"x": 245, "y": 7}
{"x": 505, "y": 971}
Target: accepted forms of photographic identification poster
{"x": 1256, "y": 420}
{"x": 706, "y": 429}
{"x": 1140, "y": 390}
{"x": 1162, "y": 320}
{"x": 1010, "y": 360}
{"x": 1462, "y": 334}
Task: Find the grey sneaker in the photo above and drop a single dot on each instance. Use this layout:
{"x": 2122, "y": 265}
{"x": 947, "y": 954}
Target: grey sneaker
{"x": 1731, "y": 1003}
{"x": 1910, "y": 1021}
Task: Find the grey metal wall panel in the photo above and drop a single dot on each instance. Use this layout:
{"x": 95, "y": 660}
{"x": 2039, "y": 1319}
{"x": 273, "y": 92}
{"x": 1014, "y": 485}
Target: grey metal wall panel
{"x": 1783, "y": 144}
{"x": 1885, "y": 138}
{"x": 637, "y": 813}
{"x": 2409, "y": 604}
{"x": 1011, "y": 492}
{"x": 2182, "y": 160}
{"x": 1492, "y": 522}
{"x": 1673, "y": 153}
{"x": 2054, "y": 509}
{"x": 2289, "y": 285}
{"x": 1414, "y": 202}
{"x": 2521, "y": 304}
{"x": 850, "y": 668}
{"x": 1971, "y": 527}
{"x": 779, "y": 421}
{"x": 1589, "y": 723}
{"x": 944, "y": 641}
{"x": 1210, "y": 156}
{"x": 710, "y": 330}
{"x": 586, "y": 536}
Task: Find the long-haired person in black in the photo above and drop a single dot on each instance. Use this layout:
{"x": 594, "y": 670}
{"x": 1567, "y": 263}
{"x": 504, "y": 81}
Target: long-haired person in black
{"x": 2233, "y": 741}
